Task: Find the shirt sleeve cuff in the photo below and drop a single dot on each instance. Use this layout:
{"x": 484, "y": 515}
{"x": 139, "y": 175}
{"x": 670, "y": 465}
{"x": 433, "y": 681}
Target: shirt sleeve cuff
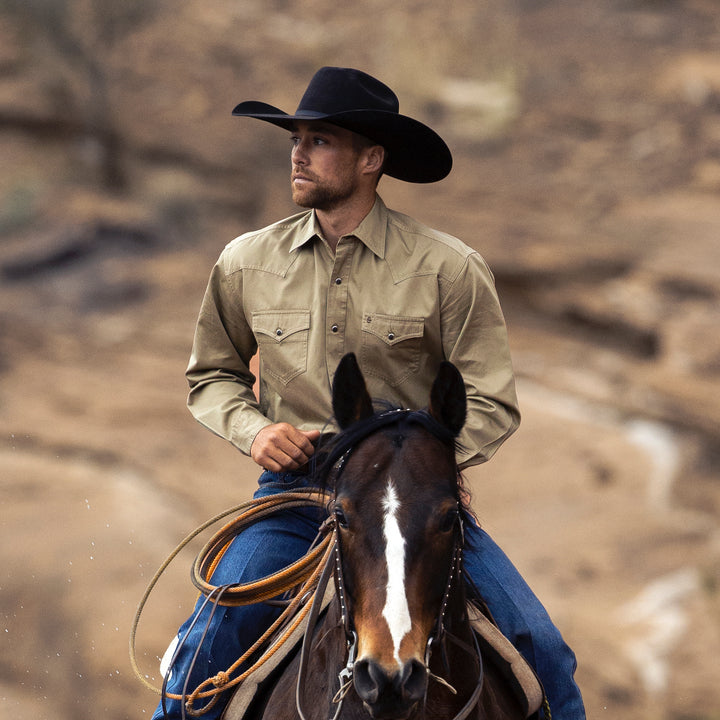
{"x": 245, "y": 429}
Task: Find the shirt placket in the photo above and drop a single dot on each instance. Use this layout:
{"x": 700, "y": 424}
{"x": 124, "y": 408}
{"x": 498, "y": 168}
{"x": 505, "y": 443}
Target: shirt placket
{"x": 337, "y": 303}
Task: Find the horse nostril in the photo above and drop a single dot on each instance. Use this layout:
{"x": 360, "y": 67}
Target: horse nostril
{"x": 414, "y": 680}
{"x": 390, "y": 693}
{"x": 369, "y": 680}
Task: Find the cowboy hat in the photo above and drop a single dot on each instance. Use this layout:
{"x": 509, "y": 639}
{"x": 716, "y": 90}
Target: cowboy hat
{"x": 357, "y": 101}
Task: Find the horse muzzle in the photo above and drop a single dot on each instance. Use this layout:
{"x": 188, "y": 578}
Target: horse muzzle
{"x": 390, "y": 695}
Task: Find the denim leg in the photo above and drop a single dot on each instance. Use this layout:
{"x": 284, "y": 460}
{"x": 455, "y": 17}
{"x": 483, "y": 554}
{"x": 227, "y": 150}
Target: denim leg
{"x": 261, "y": 549}
{"x": 524, "y": 621}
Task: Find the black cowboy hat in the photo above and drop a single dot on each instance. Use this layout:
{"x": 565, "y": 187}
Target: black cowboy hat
{"x": 357, "y": 101}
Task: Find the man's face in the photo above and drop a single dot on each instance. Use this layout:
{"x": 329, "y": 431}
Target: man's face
{"x": 325, "y": 165}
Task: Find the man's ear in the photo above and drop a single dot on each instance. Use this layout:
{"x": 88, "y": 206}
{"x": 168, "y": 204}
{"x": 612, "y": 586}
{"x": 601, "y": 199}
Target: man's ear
{"x": 374, "y": 158}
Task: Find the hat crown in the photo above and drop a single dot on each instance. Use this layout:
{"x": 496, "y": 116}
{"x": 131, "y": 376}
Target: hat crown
{"x": 335, "y": 90}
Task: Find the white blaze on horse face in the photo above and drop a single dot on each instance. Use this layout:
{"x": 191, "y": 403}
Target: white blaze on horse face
{"x": 396, "y": 611}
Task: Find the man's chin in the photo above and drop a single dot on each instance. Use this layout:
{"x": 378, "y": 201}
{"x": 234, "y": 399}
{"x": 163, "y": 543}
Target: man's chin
{"x": 310, "y": 201}
{"x": 302, "y": 199}
{"x": 317, "y": 198}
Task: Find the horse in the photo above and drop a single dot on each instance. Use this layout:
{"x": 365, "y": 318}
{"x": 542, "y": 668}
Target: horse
{"x": 396, "y": 642}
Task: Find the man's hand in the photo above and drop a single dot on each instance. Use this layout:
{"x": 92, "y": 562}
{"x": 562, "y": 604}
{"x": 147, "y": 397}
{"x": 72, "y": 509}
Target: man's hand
{"x": 282, "y": 447}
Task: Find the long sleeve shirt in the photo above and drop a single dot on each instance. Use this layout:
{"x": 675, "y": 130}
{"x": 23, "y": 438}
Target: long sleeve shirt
{"x": 401, "y": 296}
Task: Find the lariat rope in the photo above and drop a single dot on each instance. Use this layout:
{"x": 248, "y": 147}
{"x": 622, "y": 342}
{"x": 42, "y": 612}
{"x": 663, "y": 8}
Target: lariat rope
{"x": 303, "y": 574}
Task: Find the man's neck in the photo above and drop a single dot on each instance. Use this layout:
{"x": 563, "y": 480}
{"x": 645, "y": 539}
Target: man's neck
{"x": 343, "y": 220}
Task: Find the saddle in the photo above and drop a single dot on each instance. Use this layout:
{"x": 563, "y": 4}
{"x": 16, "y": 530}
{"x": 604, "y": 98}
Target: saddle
{"x": 496, "y": 648}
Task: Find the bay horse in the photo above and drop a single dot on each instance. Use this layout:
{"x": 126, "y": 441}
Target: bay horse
{"x": 396, "y": 642}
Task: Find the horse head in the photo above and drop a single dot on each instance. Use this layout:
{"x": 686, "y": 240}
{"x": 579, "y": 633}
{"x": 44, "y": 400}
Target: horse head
{"x": 397, "y": 508}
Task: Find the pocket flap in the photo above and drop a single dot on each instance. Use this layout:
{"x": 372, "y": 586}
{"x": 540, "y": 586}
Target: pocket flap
{"x": 280, "y": 324}
{"x": 393, "y": 329}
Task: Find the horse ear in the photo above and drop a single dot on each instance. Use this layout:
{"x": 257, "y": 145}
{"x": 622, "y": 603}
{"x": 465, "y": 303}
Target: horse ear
{"x": 448, "y": 401}
{"x": 350, "y": 399}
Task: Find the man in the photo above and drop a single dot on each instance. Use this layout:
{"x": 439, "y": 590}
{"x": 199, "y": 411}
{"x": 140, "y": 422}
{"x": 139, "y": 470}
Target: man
{"x": 348, "y": 274}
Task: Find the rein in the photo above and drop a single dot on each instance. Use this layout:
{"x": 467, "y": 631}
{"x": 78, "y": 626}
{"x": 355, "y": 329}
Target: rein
{"x": 345, "y": 675}
{"x": 441, "y": 631}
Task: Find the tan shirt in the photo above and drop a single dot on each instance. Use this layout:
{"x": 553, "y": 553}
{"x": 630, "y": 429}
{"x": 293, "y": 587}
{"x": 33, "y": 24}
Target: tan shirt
{"x": 401, "y": 296}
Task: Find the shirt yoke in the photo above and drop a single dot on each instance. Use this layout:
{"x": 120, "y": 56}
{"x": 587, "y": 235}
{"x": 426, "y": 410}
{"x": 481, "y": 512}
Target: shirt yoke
{"x": 266, "y": 249}
{"x": 416, "y": 249}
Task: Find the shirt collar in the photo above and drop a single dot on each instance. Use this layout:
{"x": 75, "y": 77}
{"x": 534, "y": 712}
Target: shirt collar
{"x": 307, "y": 230}
{"x": 371, "y": 230}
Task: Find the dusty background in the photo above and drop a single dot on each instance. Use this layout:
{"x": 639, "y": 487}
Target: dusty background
{"x": 587, "y": 145}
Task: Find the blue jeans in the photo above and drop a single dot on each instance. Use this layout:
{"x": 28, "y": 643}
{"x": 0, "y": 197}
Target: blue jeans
{"x": 524, "y": 621}
{"x": 278, "y": 540}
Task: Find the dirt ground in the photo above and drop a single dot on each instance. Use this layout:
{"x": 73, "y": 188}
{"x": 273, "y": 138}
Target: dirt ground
{"x": 586, "y": 139}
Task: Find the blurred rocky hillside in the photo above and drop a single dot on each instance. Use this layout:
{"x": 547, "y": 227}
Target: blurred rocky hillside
{"x": 586, "y": 139}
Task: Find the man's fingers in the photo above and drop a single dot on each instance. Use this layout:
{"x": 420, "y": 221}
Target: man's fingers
{"x": 312, "y": 435}
{"x": 283, "y": 447}
{"x": 305, "y": 441}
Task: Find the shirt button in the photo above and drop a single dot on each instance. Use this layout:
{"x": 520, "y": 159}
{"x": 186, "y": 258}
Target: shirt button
{"x": 391, "y": 336}
{"x": 334, "y": 328}
{"x": 338, "y": 281}
{"x": 278, "y": 332}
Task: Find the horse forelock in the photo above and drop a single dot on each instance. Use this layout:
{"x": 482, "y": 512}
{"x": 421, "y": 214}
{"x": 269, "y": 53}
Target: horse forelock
{"x": 398, "y": 419}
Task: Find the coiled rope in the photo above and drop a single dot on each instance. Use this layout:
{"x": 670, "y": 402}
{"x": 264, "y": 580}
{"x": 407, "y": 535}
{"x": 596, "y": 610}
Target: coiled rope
{"x": 301, "y": 577}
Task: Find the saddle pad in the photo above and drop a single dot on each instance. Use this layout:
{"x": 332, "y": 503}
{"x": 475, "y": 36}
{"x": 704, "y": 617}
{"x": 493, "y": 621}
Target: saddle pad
{"x": 494, "y": 644}
{"x": 502, "y": 653}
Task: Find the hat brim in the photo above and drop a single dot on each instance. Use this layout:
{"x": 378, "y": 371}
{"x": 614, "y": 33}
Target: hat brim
{"x": 416, "y": 153}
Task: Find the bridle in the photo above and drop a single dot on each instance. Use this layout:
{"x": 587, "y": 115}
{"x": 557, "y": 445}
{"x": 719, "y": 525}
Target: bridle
{"x": 441, "y": 633}
{"x": 437, "y": 639}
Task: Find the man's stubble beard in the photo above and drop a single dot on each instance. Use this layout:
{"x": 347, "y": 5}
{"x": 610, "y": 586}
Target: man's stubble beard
{"x": 324, "y": 197}
{"x": 320, "y": 199}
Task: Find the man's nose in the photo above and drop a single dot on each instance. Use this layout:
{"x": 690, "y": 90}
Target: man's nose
{"x": 298, "y": 154}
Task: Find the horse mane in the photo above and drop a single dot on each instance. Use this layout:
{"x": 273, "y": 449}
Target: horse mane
{"x": 331, "y": 457}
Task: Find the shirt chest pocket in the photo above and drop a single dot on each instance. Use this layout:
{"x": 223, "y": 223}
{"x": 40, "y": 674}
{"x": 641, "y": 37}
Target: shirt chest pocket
{"x": 391, "y": 346}
{"x": 282, "y": 337}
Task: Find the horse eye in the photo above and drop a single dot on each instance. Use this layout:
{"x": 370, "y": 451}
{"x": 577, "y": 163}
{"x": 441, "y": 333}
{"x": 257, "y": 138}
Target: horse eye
{"x": 340, "y": 518}
{"x": 447, "y": 523}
